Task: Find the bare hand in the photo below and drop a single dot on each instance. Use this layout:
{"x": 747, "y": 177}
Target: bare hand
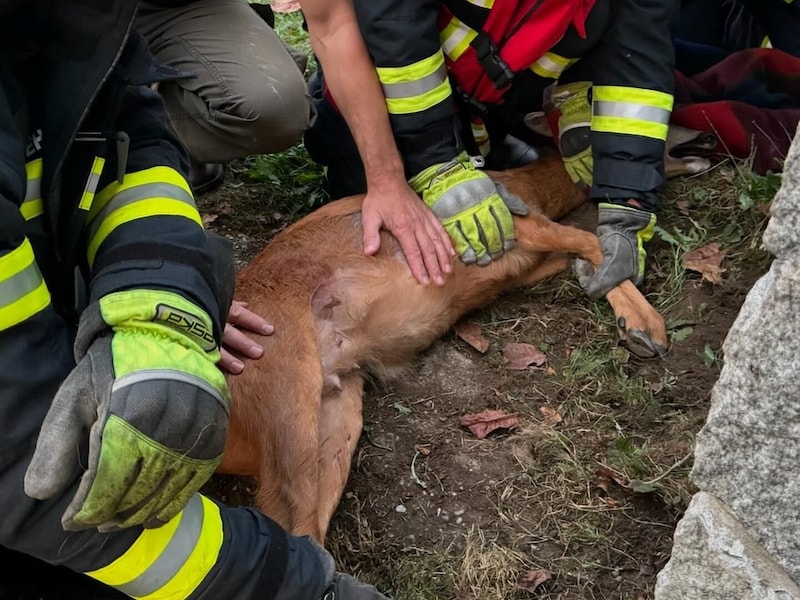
{"x": 425, "y": 243}
{"x": 234, "y": 340}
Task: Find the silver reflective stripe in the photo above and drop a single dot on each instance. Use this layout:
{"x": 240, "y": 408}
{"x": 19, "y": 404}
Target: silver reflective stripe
{"x": 411, "y": 89}
{"x": 91, "y": 183}
{"x": 135, "y": 194}
{"x": 34, "y": 189}
{"x": 460, "y": 33}
{"x": 173, "y": 557}
{"x": 20, "y": 284}
{"x": 630, "y": 110}
{"x": 167, "y": 374}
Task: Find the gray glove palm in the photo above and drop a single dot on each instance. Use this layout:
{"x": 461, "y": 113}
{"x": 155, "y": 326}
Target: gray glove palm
{"x": 622, "y": 230}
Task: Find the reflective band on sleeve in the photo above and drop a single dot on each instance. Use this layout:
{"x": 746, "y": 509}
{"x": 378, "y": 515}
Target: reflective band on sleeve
{"x": 170, "y": 562}
{"x": 480, "y": 135}
{"x": 32, "y": 205}
{"x": 159, "y": 191}
{"x": 482, "y": 3}
{"x": 632, "y": 111}
{"x": 91, "y": 183}
{"x": 415, "y": 87}
{"x": 551, "y": 65}
{"x": 23, "y": 292}
{"x": 455, "y": 38}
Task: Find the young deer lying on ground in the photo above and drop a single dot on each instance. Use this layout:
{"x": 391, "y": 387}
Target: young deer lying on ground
{"x": 340, "y": 315}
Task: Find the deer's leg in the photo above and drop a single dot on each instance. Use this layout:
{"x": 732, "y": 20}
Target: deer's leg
{"x": 640, "y": 325}
{"x": 284, "y": 404}
{"x": 339, "y": 430}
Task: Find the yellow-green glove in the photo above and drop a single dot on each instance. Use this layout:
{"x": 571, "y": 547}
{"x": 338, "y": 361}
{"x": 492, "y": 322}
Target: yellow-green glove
{"x": 574, "y": 130}
{"x": 474, "y": 210}
{"x": 155, "y": 407}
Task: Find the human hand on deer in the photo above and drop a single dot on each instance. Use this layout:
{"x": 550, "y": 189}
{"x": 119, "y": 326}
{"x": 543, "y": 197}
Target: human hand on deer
{"x": 394, "y": 206}
{"x": 235, "y": 340}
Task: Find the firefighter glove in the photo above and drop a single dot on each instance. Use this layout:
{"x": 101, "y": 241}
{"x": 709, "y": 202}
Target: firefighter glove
{"x": 474, "y": 211}
{"x": 574, "y": 130}
{"x": 147, "y": 394}
{"x": 339, "y": 585}
{"x": 622, "y": 230}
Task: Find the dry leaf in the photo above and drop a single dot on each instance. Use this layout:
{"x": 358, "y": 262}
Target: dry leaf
{"x": 605, "y": 476}
{"x": 550, "y": 416}
{"x": 532, "y": 579}
{"x": 285, "y": 6}
{"x": 208, "y": 219}
{"x": 706, "y": 260}
{"x": 483, "y": 423}
{"x": 519, "y": 357}
{"x": 470, "y": 332}
{"x": 682, "y": 206}
{"x": 424, "y": 449}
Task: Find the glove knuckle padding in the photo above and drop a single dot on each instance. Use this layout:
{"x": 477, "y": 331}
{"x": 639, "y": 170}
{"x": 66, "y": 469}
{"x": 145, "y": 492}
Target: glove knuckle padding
{"x": 471, "y": 208}
{"x": 193, "y": 422}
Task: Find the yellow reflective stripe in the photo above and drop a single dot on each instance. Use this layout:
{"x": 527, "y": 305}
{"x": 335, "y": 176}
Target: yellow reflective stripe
{"x": 631, "y": 111}
{"x": 91, "y": 183}
{"x": 139, "y": 196}
{"x": 455, "y": 38}
{"x": 415, "y": 87}
{"x": 551, "y": 65}
{"x": 482, "y": 3}
{"x": 32, "y": 205}
{"x": 23, "y": 292}
{"x": 170, "y": 562}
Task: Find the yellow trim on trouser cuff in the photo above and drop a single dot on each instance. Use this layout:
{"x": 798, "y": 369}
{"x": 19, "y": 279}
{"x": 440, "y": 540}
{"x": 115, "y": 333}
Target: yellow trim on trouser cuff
{"x": 149, "y": 546}
{"x": 619, "y": 109}
{"x": 426, "y": 81}
{"x": 23, "y": 292}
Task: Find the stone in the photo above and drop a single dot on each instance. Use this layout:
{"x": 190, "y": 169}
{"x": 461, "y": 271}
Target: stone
{"x": 715, "y": 557}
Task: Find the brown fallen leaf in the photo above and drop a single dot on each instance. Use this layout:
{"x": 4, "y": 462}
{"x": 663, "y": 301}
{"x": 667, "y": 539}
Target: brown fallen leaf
{"x": 519, "y": 357}
{"x": 470, "y": 332}
{"x": 550, "y": 416}
{"x": 532, "y": 579}
{"x": 706, "y": 260}
{"x": 604, "y": 477}
{"x": 483, "y": 423}
{"x": 285, "y": 6}
{"x": 682, "y": 206}
{"x": 208, "y": 219}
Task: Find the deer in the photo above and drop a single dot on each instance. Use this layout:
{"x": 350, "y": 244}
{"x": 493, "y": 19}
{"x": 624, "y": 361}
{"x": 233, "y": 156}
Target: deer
{"x": 342, "y": 317}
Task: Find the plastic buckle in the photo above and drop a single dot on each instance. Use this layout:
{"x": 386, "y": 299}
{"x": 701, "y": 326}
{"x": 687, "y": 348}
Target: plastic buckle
{"x": 495, "y": 67}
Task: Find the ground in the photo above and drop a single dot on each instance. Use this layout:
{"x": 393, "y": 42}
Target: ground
{"x": 580, "y": 497}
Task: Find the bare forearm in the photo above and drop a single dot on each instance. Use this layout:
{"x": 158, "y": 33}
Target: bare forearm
{"x": 351, "y": 77}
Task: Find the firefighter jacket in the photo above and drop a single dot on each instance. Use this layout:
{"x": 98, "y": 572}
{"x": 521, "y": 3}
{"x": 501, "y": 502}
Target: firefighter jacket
{"x": 632, "y": 78}
{"x": 92, "y": 180}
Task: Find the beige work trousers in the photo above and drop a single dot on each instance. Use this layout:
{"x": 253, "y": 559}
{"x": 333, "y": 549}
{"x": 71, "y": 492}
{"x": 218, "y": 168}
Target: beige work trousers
{"x": 249, "y": 95}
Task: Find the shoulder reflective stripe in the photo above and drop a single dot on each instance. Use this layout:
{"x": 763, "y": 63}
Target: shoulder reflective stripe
{"x": 482, "y": 3}
{"x": 455, "y": 38}
{"x": 415, "y": 87}
{"x": 146, "y": 200}
{"x": 91, "y": 183}
{"x": 631, "y": 111}
{"x": 32, "y": 205}
{"x": 170, "y": 562}
{"x": 551, "y": 65}
{"x": 23, "y": 292}
{"x": 167, "y": 374}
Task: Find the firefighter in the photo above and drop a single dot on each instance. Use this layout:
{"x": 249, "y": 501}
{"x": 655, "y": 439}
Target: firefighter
{"x": 112, "y": 303}
{"x": 612, "y": 63}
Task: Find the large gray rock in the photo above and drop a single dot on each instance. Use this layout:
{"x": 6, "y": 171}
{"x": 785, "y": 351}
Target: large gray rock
{"x": 747, "y": 454}
{"x": 715, "y": 557}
